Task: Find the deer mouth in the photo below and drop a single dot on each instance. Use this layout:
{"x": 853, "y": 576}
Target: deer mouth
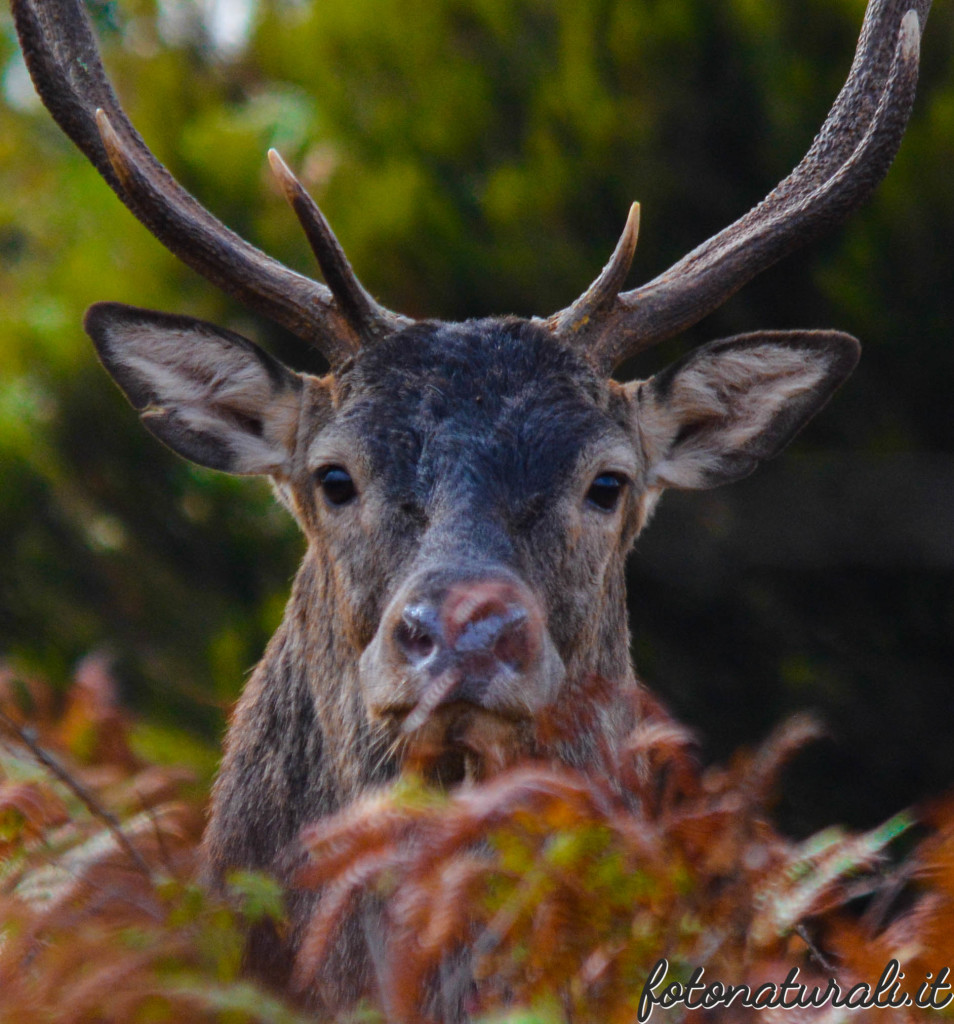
{"x": 462, "y": 743}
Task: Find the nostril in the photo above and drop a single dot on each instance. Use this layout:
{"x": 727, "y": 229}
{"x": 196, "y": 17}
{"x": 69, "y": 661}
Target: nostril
{"x": 417, "y": 633}
{"x": 514, "y": 645}
{"x": 415, "y": 644}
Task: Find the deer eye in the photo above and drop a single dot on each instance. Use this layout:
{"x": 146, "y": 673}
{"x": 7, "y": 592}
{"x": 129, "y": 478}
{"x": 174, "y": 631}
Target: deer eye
{"x": 605, "y": 491}
{"x": 337, "y": 484}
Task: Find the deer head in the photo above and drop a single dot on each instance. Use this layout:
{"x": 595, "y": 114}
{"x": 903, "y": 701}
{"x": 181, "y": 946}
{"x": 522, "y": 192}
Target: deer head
{"x": 468, "y": 491}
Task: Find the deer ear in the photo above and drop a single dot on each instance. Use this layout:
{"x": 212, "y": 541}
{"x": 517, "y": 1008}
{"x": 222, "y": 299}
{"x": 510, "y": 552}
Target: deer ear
{"x": 714, "y": 416}
{"x": 210, "y": 395}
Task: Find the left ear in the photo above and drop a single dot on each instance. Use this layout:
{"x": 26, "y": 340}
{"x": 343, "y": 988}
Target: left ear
{"x": 715, "y": 415}
{"x": 210, "y": 395}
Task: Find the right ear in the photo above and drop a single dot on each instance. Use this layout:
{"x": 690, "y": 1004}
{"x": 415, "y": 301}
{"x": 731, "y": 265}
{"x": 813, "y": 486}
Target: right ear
{"x": 715, "y": 415}
{"x": 210, "y": 395}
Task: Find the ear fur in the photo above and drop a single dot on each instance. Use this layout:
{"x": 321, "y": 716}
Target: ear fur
{"x": 714, "y": 415}
{"x": 210, "y": 395}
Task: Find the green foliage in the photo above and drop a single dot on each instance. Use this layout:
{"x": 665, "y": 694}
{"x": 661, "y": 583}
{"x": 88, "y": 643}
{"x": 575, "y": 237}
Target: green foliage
{"x": 260, "y": 898}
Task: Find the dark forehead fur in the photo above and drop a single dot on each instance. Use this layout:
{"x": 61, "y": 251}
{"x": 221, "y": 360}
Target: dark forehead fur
{"x": 478, "y": 400}
{"x": 497, "y": 354}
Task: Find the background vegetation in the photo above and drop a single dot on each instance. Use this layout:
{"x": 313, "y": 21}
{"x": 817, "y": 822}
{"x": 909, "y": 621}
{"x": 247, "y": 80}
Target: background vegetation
{"x": 479, "y": 156}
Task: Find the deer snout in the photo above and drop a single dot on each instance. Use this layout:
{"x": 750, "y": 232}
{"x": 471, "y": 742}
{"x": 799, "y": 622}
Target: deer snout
{"x": 480, "y": 630}
{"x": 478, "y": 642}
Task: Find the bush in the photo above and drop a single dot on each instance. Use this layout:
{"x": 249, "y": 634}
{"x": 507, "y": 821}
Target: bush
{"x": 542, "y": 894}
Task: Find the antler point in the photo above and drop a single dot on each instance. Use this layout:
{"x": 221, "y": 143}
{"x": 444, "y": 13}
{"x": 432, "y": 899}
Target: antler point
{"x": 103, "y": 123}
{"x": 289, "y": 184}
{"x": 631, "y": 231}
{"x": 277, "y": 163}
{"x": 112, "y": 144}
{"x": 910, "y": 35}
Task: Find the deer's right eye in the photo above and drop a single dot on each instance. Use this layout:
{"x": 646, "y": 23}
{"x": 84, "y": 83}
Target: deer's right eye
{"x": 605, "y": 491}
{"x": 337, "y": 485}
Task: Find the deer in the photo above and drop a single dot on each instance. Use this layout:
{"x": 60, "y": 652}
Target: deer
{"x": 468, "y": 491}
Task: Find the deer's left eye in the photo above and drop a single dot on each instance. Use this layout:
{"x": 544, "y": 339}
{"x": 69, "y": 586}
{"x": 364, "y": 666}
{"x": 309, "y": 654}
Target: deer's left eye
{"x": 337, "y": 484}
{"x": 605, "y": 491}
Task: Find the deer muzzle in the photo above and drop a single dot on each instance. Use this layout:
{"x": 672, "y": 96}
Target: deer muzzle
{"x": 449, "y": 648}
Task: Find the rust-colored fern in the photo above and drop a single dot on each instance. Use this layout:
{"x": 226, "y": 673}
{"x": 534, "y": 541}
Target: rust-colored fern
{"x": 551, "y": 891}
{"x": 541, "y": 894}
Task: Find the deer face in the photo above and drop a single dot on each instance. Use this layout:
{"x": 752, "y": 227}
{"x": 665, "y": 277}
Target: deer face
{"x": 473, "y": 487}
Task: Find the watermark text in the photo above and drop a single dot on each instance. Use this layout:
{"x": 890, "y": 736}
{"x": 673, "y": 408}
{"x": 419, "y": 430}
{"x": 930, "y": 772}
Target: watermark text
{"x": 889, "y": 992}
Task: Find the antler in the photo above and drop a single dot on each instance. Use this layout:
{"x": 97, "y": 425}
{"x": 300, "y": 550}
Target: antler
{"x": 66, "y": 68}
{"x": 368, "y": 318}
{"x": 849, "y": 157}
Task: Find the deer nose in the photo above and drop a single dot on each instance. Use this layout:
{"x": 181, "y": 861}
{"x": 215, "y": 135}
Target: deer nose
{"x": 475, "y": 631}
{"x": 491, "y": 621}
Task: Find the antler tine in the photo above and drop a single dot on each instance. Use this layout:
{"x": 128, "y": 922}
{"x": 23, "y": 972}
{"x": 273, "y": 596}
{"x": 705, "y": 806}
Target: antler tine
{"x": 68, "y": 74}
{"x": 367, "y": 317}
{"x": 603, "y": 292}
{"x": 848, "y": 158}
